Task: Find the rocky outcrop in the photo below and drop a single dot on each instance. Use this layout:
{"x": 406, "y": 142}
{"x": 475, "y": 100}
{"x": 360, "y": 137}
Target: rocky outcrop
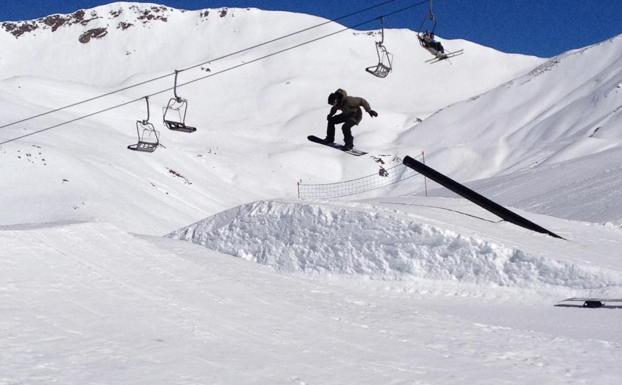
{"x": 120, "y": 18}
{"x": 95, "y": 33}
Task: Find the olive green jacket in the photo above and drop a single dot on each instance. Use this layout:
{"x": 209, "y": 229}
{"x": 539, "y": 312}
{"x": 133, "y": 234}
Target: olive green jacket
{"x": 350, "y": 106}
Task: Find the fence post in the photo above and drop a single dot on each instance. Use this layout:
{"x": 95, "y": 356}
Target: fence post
{"x": 298, "y": 186}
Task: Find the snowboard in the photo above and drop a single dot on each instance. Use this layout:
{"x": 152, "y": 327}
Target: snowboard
{"x": 353, "y": 151}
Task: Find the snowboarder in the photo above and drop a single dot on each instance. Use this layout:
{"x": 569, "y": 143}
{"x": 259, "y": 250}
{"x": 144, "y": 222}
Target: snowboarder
{"x": 351, "y": 115}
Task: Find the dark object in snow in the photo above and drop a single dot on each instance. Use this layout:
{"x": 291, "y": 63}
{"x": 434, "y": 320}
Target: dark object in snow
{"x": 590, "y": 303}
{"x": 95, "y": 33}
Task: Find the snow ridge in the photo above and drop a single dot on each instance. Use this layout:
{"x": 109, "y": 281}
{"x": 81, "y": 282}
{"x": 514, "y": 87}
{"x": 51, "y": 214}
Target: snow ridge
{"x": 305, "y": 237}
{"x": 103, "y": 16}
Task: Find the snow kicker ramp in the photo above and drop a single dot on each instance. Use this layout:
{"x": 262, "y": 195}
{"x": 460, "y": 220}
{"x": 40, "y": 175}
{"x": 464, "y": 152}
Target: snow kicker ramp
{"x": 376, "y": 242}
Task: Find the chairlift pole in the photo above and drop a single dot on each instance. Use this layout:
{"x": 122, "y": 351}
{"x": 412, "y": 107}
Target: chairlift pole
{"x": 147, "y": 120}
{"x": 381, "y": 30}
{"x": 175, "y": 87}
{"x": 429, "y": 16}
{"x": 383, "y": 67}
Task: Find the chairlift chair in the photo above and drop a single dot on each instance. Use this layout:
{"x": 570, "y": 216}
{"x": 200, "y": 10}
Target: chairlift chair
{"x": 426, "y": 35}
{"x": 385, "y": 58}
{"x": 148, "y": 137}
{"x": 426, "y": 39}
{"x": 175, "y": 113}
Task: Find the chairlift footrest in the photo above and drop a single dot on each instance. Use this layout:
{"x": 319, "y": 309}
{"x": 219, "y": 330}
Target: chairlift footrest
{"x": 380, "y": 70}
{"x": 143, "y": 147}
{"x": 178, "y": 126}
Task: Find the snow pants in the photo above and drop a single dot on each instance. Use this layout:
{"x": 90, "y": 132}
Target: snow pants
{"x": 348, "y": 123}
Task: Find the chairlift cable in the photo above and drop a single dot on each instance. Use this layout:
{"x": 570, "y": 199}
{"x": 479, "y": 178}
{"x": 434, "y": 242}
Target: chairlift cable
{"x": 212, "y": 74}
{"x": 400, "y": 10}
{"x": 291, "y": 34}
{"x": 70, "y": 121}
{"x": 386, "y": 2}
{"x": 290, "y": 48}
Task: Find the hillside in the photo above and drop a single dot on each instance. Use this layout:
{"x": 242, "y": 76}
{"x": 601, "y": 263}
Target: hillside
{"x": 547, "y": 142}
{"x": 405, "y": 284}
{"x": 252, "y": 122}
{"x": 566, "y": 108}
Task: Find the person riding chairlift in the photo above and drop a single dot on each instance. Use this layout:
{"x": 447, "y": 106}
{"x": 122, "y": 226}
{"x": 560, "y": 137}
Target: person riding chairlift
{"x": 429, "y": 42}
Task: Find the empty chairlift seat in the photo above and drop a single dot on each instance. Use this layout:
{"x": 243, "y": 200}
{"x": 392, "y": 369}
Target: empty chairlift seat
{"x": 385, "y": 58}
{"x": 175, "y": 113}
{"x": 148, "y": 136}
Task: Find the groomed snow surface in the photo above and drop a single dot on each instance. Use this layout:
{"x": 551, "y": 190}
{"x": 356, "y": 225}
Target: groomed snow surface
{"x": 88, "y": 303}
{"x": 254, "y": 286}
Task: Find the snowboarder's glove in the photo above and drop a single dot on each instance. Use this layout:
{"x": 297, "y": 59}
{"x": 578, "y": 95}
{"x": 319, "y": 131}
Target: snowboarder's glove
{"x": 373, "y": 113}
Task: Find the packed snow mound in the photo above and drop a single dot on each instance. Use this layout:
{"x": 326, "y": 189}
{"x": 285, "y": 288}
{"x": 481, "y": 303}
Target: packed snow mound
{"x": 305, "y": 237}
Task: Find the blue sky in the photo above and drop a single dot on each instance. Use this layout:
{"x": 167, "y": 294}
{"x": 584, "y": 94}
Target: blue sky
{"x": 537, "y": 27}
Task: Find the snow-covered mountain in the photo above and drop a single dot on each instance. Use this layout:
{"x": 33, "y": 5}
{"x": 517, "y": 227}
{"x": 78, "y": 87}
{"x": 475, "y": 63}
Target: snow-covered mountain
{"x": 252, "y": 122}
{"x": 557, "y": 125}
{"x": 396, "y": 288}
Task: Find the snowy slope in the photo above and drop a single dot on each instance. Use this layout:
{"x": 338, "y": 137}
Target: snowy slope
{"x": 391, "y": 290}
{"x": 552, "y": 135}
{"x": 566, "y": 108}
{"x": 586, "y": 189}
{"x": 89, "y": 304}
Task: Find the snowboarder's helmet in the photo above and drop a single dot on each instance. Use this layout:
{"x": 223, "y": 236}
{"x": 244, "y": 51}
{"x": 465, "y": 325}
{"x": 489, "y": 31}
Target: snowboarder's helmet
{"x": 335, "y": 98}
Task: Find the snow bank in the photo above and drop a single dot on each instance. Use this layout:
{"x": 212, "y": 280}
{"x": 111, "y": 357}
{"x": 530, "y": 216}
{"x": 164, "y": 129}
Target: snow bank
{"x": 303, "y": 237}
